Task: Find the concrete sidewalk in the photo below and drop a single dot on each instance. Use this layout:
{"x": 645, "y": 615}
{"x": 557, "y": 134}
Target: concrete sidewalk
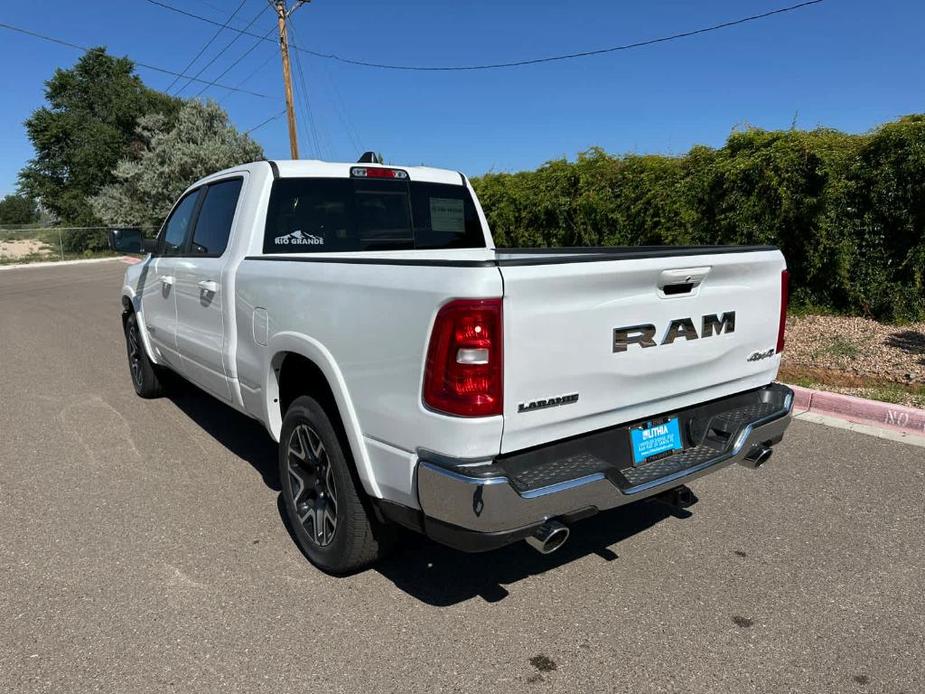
{"x": 128, "y": 260}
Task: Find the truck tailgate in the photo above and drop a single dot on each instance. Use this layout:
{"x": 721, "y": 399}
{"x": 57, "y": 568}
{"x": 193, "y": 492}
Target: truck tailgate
{"x": 592, "y": 341}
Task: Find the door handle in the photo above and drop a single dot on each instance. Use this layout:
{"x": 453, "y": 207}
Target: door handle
{"x": 209, "y": 286}
{"x": 167, "y": 280}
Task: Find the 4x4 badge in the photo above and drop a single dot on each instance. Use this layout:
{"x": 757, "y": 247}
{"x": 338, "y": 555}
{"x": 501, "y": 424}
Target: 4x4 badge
{"x": 758, "y": 356}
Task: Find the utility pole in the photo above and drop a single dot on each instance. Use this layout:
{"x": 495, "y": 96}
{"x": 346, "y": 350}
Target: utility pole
{"x": 283, "y": 15}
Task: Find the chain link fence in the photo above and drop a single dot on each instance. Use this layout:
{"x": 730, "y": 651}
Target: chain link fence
{"x": 34, "y": 243}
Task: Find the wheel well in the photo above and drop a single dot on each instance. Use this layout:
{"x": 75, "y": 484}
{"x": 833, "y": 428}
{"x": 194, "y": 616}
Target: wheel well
{"x": 297, "y": 375}
{"x": 127, "y": 309}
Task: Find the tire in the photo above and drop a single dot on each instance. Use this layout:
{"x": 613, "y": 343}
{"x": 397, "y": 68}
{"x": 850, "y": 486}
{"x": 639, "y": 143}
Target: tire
{"x": 321, "y": 495}
{"x": 145, "y": 377}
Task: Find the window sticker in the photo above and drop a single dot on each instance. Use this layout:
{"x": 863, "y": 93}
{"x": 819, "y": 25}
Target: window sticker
{"x": 447, "y": 214}
{"x": 298, "y": 238}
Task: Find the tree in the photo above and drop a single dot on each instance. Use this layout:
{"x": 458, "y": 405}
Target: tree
{"x": 170, "y": 159}
{"x": 86, "y": 128}
{"x": 18, "y": 209}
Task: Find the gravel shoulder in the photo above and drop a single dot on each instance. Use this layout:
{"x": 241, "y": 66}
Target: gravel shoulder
{"x": 857, "y": 356}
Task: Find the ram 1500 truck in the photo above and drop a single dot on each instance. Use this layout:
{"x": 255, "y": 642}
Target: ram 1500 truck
{"x": 415, "y": 375}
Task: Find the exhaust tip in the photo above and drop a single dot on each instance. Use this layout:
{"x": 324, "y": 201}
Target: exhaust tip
{"x": 757, "y": 456}
{"x": 548, "y": 537}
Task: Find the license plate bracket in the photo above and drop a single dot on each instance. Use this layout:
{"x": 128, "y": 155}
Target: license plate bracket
{"x": 654, "y": 440}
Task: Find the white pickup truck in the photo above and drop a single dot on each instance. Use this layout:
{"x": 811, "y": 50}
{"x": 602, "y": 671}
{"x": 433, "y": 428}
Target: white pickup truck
{"x": 414, "y": 375}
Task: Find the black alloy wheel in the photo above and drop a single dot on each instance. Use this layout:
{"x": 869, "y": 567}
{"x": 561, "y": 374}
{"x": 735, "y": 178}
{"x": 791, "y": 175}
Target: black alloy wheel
{"x": 313, "y": 488}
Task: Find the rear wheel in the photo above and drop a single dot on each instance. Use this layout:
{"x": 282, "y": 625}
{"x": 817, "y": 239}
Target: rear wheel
{"x": 145, "y": 377}
{"x": 321, "y": 496}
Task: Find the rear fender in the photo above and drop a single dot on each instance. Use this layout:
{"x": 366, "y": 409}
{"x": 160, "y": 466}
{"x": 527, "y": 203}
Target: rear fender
{"x": 316, "y": 352}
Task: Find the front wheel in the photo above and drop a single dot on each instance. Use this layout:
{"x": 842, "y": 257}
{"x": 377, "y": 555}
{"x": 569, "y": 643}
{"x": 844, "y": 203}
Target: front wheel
{"x": 321, "y": 497}
{"x": 145, "y": 377}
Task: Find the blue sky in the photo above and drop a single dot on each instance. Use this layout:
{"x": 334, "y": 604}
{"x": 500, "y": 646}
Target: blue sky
{"x": 847, "y": 64}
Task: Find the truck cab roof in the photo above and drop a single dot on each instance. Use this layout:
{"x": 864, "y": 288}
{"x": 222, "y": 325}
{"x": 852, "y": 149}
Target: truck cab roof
{"x": 313, "y": 168}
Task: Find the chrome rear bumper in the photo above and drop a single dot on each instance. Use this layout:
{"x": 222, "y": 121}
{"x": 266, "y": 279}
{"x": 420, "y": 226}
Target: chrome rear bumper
{"x": 488, "y": 500}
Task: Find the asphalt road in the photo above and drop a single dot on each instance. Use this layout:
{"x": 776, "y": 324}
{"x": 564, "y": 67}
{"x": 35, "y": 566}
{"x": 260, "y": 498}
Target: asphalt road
{"x": 141, "y": 549}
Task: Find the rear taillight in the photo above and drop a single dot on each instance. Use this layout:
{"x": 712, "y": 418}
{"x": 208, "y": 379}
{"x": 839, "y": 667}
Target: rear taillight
{"x": 464, "y": 370}
{"x": 784, "y": 301}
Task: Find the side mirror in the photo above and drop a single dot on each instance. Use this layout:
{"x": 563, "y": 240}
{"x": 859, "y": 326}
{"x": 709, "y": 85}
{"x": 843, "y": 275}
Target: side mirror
{"x": 129, "y": 241}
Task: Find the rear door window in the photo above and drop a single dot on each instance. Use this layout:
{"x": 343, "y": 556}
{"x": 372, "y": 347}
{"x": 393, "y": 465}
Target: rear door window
{"x": 309, "y": 215}
{"x": 213, "y": 226}
{"x": 173, "y": 235}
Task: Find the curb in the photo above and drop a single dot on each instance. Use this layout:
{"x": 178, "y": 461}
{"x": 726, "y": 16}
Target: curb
{"x": 905, "y": 420}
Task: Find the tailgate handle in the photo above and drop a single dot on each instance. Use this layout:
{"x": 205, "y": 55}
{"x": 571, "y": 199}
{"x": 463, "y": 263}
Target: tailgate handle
{"x": 682, "y": 280}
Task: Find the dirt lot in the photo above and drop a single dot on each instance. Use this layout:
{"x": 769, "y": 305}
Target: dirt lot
{"x": 20, "y": 249}
{"x": 857, "y": 356}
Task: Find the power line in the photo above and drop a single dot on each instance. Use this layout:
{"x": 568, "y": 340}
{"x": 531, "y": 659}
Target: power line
{"x": 263, "y": 123}
{"x": 239, "y": 59}
{"x": 342, "y": 112}
{"x": 260, "y": 67}
{"x": 251, "y": 74}
{"x": 208, "y": 43}
{"x": 518, "y": 63}
{"x": 585, "y": 54}
{"x": 222, "y": 51}
{"x": 84, "y": 49}
{"x": 212, "y": 6}
{"x": 147, "y": 66}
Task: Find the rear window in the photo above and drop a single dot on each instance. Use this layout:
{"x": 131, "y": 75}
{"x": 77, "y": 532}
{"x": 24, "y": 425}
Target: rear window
{"x": 323, "y": 215}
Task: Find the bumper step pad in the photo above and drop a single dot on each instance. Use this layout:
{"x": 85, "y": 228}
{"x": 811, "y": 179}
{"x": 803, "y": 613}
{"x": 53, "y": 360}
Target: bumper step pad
{"x": 526, "y": 478}
{"x": 667, "y": 466}
{"x": 709, "y": 431}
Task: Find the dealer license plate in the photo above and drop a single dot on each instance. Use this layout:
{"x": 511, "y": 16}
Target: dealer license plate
{"x": 655, "y": 440}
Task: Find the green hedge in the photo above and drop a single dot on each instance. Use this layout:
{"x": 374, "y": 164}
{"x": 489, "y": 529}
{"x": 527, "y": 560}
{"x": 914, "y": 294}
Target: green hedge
{"x": 848, "y": 211}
